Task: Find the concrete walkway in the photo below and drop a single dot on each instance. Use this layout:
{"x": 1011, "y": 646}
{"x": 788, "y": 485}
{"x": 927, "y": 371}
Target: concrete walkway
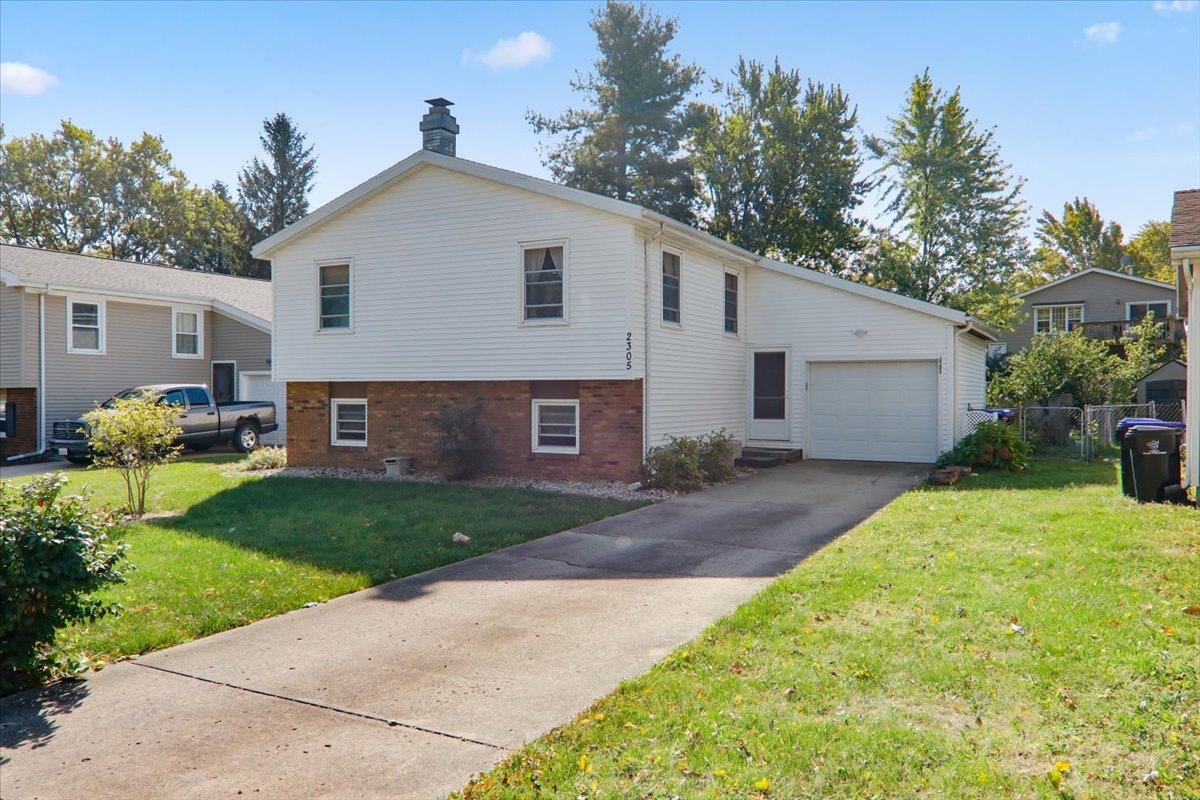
{"x": 406, "y": 689}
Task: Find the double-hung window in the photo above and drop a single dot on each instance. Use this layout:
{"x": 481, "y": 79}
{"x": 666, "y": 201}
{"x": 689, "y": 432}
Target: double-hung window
{"x": 556, "y": 426}
{"x": 1057, "y": 319}
{"x": 187, "y": 335}
{"x": 334, "y": 313}
{"x": 543, "y": 283}
{"x": 731, "y": 302}
{"x": 671, "y": 276}
{"x": 348, "y": 422}
{"x": 85, "y": 326}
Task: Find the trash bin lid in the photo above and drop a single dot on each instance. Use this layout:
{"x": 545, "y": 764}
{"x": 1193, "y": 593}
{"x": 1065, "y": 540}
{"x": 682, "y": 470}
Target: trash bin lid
{"x": 1129, "y": 422}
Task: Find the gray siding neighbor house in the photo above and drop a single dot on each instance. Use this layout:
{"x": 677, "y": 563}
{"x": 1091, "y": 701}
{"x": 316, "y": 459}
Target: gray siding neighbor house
{"x": 75, "y": 329}
{"x": 1101, "y": 302}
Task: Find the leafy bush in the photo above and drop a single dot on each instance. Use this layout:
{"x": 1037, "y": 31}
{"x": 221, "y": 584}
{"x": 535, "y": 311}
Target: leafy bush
{"x": 992, "y": 444}
{"x": 264, "y": 458}
{"x": 716, "y": 456}
{"x": 54, "y": 552}
{"x": 134, "y": 435}
{"x": 459, "y": 447}
{"x": 688, "y": 463}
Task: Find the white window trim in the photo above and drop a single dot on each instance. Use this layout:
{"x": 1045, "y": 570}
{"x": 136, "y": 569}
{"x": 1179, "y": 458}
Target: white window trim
{"x": 332, "y": 262}
{"x": 175, "y": 312}
{"x": 334, "y": 403}
{"x": 102, "y": 319}
{"x": 1048, "y": 307}
{"x": 675, "y": 326}
{"x": 740, "y": 291}
{"x": 537, "y": 404}
{"x": 1129, "y": 306}
{"x": 566, "y": 290}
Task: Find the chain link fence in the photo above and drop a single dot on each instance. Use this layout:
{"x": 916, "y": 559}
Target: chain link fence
{"x": 1054, "y": 431}
{"x": 1101, "y": 427}
{"x": 1167, "y": 412}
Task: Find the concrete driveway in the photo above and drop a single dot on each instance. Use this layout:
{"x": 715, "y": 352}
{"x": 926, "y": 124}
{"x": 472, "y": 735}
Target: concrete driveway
{"x": 406, "y": 689}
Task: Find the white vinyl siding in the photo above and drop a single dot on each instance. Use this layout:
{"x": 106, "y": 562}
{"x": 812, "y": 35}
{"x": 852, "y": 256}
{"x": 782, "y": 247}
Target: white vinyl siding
{"x": 187, "y": 333}
{"x": 335, "y": 297}
{"x": 85, "y": 326}
{"x": 970, "y": 377}
{"x": 555, "y": 426}
{"x": 1057, "y": 319}
{"x": 348, "y": 422}
{"x": 435, "y": 281}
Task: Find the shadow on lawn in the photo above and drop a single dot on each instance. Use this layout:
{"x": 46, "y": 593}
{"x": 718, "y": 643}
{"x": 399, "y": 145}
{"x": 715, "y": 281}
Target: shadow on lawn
{"x": 27, "y": 718}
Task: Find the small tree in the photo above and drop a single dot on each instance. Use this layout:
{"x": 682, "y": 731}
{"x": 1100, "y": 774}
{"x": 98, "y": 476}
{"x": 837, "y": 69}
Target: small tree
{"x": 1068, "y": 363}
{"x": 134, "y": 435}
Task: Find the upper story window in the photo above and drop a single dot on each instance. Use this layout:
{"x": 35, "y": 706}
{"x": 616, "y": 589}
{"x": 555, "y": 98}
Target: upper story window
{"x": 671, "y": 275}
{"x": 1057, "y": 319}
{"x": 187, "y": 335}
{"x": 334, "y": 280}
{"x": 85, "y": 326}
{"x": 543, "y": 283}
{"x": 1138, "y": 311}
{"x": 731, "y": 302}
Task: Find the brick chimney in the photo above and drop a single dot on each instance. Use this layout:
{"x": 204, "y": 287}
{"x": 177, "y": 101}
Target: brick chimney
{"x": 438, "y": 127}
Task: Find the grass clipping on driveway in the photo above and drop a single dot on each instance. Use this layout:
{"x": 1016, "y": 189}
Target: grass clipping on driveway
{"x": 1022, "y": 635}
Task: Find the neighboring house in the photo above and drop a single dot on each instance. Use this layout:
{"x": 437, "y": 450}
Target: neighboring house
{"x": 1100, "y": 302}
{"x": 1166, "y": 384}
{"x": 75, "y": 329}
{"x": 1185, "y": 255}
{"x": 586, "y": 330}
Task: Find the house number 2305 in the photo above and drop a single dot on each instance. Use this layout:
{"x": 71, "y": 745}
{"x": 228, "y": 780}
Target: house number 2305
{"x": 629, "y": 351}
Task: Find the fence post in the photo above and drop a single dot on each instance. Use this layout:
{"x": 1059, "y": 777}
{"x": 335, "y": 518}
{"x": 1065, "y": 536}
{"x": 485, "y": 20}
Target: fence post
{"x": 1153, "y": 409}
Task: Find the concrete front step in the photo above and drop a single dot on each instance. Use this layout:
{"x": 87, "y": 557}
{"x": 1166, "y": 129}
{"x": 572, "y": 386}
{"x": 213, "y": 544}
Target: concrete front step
{"x": 766, "y": 457}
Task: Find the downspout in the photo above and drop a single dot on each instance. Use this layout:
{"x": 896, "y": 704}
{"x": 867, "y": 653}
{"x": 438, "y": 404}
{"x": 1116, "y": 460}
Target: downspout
{"x": 646, "y": 338}
{"x": 41, "y": 394}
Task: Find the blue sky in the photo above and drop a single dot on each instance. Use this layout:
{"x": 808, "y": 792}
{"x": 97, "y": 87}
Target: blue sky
{"x": 1095, "y": 99}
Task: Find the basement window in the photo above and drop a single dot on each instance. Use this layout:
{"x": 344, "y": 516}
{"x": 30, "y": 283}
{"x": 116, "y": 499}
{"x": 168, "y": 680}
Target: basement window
{"x": 348, "y": 423}
{"x": 556, "y": 426}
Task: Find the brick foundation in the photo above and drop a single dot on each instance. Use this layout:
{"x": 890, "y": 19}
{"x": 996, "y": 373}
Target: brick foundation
{"x": 25, "y": 440}
{"x": 399, "y": 423}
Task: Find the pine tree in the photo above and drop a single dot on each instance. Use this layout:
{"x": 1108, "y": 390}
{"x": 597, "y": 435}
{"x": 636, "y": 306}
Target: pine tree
{"x": 628, "y": 141}
{"x": 274, "y": 193}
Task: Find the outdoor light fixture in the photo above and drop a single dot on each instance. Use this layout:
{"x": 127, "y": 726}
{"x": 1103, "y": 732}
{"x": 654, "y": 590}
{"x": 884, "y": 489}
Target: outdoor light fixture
{"x": 861, "y": 332}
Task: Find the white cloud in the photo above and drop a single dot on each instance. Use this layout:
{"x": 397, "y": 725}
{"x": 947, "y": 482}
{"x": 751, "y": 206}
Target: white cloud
{"x": 1175, "y": 6}
{"x": 511, "y": 53}
{"x": 1143, "y": 134}
{"x": 18, "y": 78}
{"x": 1103, "y": 32}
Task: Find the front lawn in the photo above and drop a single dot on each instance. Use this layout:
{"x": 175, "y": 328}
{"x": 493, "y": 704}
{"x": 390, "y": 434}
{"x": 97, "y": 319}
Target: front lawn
{"x": 1023, "y": 635}
{"x": 244, "y": 547}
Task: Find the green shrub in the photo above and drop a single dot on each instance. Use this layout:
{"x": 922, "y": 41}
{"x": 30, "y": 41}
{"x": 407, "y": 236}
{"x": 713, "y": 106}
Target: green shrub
{"x": 459, "y": 446}
{"x": 716, "y": 456}
{"x": 55, "y": 551}
{"x": 995, "y": 445}
{"x": 264, "y": 458}
{"x": 688, "y": 463}
{"x": 134, "y": 435}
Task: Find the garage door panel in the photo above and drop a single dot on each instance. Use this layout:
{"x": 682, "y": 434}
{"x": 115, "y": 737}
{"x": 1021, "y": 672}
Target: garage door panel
{"x": 873, "y": 411}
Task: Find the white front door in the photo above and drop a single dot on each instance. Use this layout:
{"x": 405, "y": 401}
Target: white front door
{"x": 769, "y": 402}
{"x": 259, "y": 386}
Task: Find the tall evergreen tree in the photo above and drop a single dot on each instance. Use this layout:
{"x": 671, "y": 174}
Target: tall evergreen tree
{"x": 1078, "y": 240}
{"x": 956, "y": 213}
{"x": 778, "y": 163}
{"x": 627, "y": 142}
{"x": 274, "y": 193}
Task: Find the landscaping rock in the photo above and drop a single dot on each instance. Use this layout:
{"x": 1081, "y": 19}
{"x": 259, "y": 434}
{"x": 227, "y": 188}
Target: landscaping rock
{"x": 460, "y": 538}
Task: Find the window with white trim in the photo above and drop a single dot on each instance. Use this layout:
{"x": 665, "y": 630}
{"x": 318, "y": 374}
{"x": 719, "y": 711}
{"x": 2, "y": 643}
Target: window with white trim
{"x": 731, "y": 302}
{"x": 1057, "y": 319}
{"x": 997, "y": 349}
{"x": 348, "y": 422}
{"x": 556, "y": 426}
{"x": 85, "y": 326}
{"x": 1136, "y": 312}
{"x": 187, "y": 334}
{"x": 334, "y": 288}
{"x": 671, "y": 276}
{"x": 543, "y": 283}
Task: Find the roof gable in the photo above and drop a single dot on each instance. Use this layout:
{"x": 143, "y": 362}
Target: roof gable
{"x": 1097, "y": 271}
{"x": 1185, "y": 219}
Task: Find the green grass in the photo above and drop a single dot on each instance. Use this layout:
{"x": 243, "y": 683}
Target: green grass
{"x": 959, "y": 644}
{"x": 244, "y": 547}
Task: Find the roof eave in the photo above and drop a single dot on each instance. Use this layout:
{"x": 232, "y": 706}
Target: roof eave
{"x": 1088, "y": 271}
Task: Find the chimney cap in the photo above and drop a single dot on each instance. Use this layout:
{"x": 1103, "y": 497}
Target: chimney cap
{"x": 439, "y": 102}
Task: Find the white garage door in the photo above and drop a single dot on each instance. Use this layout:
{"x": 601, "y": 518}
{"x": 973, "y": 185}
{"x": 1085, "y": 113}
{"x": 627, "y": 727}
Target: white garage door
{"x": 259, "y": 386}
{"x": 873, "y": 411}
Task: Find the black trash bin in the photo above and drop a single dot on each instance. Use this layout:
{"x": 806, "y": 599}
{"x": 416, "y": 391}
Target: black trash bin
{"x": 1150, "y": 460}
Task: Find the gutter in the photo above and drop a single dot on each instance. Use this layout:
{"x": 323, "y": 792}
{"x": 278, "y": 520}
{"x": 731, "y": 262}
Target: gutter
{"x": 41, "y": 395}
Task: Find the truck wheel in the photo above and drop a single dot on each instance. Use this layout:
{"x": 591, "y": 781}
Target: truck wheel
{"x": 245, "y": 437}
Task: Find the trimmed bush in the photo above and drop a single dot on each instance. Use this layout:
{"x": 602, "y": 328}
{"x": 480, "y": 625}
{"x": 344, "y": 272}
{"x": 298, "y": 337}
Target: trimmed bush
{"x": 688, "y": 463}
{"x": 995, "y": 445}
{"x": 55, "y": 551}
{"x": 264, "y": 458}
{"x": 716, "y": 456}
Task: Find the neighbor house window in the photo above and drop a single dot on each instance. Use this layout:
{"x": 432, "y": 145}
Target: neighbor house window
{"x": 1138, "y": 311}
{"x": 731, "y": 302}
{"x": 543, "y": 283}
{"x": 335, "y": 297}
{"x": 670, "y": 287}
{"x": 186, "y": 334}
{"x": 1057, "y": 319}
{"x": 997, "y": 349}
{"x": 348, "y": 423}
{"x": 556, "y": 426}
{"x": 85, "y": 323}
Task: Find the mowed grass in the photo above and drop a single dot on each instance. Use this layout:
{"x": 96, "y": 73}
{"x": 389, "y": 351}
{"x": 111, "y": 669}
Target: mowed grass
{"x": 960, "y": 644}
{"x": 244, "y": 547}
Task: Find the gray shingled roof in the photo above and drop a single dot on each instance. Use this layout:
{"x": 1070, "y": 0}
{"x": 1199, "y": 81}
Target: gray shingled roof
{"x": 1185, "y": 219}
{"x": 36, "y": 266}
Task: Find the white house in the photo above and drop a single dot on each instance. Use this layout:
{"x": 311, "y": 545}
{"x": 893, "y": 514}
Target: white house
{"x": 586, "y": 330}
{"x": 1185, "y": 253}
